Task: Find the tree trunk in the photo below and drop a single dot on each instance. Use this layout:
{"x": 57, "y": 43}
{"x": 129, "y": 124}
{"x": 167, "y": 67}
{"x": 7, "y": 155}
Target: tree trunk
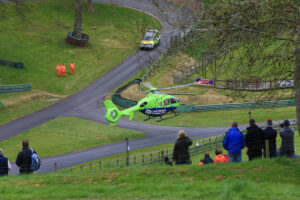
{"x": 90, "y": 6}
{"x": 77, "y": 23}
{"x": 297, "y": 76}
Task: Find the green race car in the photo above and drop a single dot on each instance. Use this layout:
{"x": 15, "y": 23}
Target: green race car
{"x": 150, "y": 40}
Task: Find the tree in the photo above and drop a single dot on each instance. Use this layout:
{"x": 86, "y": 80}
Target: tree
{"x": 90, "y": 6}
{"x": 78, "y": 18}
{"x": 258, "y": 38}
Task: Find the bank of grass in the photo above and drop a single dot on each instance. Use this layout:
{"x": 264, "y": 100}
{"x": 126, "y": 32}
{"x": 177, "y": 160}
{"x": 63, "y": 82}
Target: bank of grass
{"x": 65, "y": 135}
{"x": 261, "y": 179}
{"x": 220, "y": 118}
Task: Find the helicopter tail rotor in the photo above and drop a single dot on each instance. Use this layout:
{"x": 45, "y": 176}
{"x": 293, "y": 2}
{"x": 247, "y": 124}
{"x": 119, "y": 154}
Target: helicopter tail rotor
{"x": 113, "y": 114}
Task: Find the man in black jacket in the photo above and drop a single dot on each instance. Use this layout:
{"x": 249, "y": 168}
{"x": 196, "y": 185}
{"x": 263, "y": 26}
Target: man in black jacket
{"x": 24, "y": 159}
{"x": 270, "y": 134}
{"x": 181, "y": 153}
{"x": 254, "y": 140}
{"x": 287, "y": 144}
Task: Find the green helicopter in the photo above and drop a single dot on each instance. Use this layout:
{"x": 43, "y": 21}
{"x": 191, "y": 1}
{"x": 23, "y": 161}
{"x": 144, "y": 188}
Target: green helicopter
{"x": 154, "y": 105}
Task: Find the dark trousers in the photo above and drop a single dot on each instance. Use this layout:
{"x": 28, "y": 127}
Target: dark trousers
{"x": 254, "y": 153}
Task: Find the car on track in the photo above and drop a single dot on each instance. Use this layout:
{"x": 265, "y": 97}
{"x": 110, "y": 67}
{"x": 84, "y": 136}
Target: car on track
{"x": 150, "y": 40}
{"x": 285, "y": 83}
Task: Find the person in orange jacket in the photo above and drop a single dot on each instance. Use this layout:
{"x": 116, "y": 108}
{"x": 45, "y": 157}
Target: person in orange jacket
{"x": 58, "y": 69}
{"x": 63, "y": 70}
{"x": 219, "y": 157}
{"x": 72, "y": 68}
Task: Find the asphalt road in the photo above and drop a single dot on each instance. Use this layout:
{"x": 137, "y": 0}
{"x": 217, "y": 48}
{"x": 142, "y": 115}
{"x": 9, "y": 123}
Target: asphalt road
{"x": 88, "y": 104}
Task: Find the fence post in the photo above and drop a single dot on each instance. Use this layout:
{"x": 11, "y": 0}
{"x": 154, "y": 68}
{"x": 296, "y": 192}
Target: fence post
{"x": 167, "y": 152}
{"x": 143, "y": 159}
{"x": 267, "y": 149}
{"x": 100, "y": 163}
{"x": 134, "y": 160}
{"x": 117, "y": 162}
{"x": 127, "y": 152}
{"x": 151, "y": 157}
{"x": 55, "y": 166}
{"x": 91, "y": 166}
{"x": 162, "y": 161}
{"x": 209, "y": 143}
{"x": 158, "y": 156}
{"x": 216, "y": 143}
{"x": 81, "y": 168}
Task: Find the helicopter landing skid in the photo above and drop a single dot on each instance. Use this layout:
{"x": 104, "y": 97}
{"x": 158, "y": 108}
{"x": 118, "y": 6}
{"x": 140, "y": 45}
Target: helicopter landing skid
{"x": 161, "y": 119}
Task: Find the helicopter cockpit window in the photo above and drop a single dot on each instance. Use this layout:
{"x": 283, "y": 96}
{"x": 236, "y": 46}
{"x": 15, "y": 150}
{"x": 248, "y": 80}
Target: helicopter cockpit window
{"x": 143, "y": 104}
{"x": 166, "y": 102}
{"x": 160, "y": 103}
{"x": 173, "y": 100}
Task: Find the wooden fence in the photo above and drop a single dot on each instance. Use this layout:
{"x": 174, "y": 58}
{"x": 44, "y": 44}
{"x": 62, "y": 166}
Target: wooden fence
{"x": 153, "y": 158}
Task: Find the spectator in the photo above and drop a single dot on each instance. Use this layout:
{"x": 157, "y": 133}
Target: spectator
{"x": 4, "y": 164}
{"x": 181, "y": 153}
{"x": 167, "y": 162}
{"x": 220, "y": 158}
{"x": 270, "y": 134}
{"x": 287, "y": 143}
{"x": 234, "y": 142}
{"x": 207, "y": 159}
{"x": 24, "y": 158}
{"x": 254, "y": 140}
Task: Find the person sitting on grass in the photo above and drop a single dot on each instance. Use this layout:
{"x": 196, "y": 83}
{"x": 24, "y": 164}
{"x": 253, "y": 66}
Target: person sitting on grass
{"x": 220, "y": 158}
{"x": 206, "y": 160}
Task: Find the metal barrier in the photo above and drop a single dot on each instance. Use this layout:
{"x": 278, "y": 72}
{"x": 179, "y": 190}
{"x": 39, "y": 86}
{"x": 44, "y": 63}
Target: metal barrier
{"x": 15, "y": 88}
{"x": 12, "y": 64}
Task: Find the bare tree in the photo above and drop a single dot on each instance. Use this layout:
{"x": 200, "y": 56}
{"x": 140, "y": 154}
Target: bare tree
{"x": 78, "y": 17}
{"x": 259, "y": 38}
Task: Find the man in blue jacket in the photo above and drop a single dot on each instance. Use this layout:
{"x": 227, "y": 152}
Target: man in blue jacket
{"x": 234, "y": 142}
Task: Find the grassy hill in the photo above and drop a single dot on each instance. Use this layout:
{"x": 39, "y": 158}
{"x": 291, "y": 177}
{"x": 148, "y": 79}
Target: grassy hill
{"x": 260, "y": 179}
{"x": 36, "y": 36}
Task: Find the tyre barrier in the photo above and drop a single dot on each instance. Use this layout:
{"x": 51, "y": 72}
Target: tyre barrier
{"x": 15, "y": 88}
{"x": 18, "y": 65}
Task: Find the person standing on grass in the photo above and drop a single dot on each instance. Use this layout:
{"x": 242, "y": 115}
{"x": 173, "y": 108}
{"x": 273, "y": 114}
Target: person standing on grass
{"x": 234, "y": 142}
{"x": 181, "y": 153}
{"x": 270, "y": 134}
{"x": 4, "y": 164}
{"x": 287, "y": 144}
{"x": 24, "y": 158}
{"x": 254, "y": 140}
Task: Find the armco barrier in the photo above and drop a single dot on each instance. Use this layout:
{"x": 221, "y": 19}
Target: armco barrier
{"x": 12, "y": 64}
{"x": 15, "y": 88}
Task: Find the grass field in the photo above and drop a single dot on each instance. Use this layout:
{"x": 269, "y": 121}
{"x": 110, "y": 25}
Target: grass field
{"x": 36, "y": 38}
{"x": 65, "y": 135}
{"x": 261, "y": 179}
